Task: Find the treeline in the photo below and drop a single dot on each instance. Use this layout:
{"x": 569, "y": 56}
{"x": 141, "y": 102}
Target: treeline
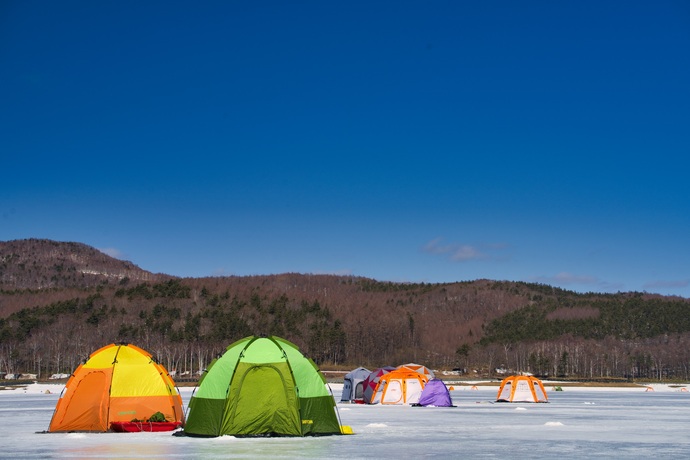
{"x": 627, "y": 317}
{"x": 659, "y": 358}
{"x": 618, "y": 335}
{"x": 477, "y": 326}
{"x": 183, "y": 334}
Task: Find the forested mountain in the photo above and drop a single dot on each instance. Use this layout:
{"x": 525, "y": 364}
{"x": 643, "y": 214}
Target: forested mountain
{"x": 61, "y": 301}
{"x": 42, "y": 264}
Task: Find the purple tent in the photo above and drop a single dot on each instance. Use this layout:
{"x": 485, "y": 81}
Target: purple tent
{"x": 436, "y": 394}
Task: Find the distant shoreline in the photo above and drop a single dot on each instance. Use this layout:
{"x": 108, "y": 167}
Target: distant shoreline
{"x": 458, "y": 384}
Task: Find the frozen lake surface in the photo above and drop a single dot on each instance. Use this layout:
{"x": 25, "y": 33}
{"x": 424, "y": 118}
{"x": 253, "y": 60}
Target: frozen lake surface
{"x": 576, "y": 423}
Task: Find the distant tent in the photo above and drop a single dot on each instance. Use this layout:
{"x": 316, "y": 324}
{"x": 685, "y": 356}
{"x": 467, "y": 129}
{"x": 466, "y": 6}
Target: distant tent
{"x": 521, "y": 388}
{"x": 117, "y": 383}
{"x": 421, "y": 369}
{"x": 353, "y": 385}
{"x": 435, "y": 394}
{"x": 372, "y": 380}
{"x": 399, "y": 386}
{"x": 262, "y": 387}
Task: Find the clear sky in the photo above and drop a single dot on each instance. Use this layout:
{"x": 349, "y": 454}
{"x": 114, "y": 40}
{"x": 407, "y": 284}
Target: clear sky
{"x": 405, "y": 141}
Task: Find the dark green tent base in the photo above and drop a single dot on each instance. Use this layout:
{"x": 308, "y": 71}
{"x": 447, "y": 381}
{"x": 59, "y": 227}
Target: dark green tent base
{"x": 262, "y": 435}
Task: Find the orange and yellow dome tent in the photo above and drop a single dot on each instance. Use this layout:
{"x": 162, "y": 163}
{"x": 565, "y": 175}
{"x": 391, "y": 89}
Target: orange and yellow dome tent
{"x": 117, "y": 383}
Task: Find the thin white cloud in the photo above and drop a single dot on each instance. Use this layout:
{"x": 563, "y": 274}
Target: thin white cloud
{"x": 570, "y": 278}
{"x": 219, "y": 272}
{"x": 462, "y": 252}
{"x": 433, "y": 247}
{"x": 566, "y": 278}
{"x": 466, "y": 252}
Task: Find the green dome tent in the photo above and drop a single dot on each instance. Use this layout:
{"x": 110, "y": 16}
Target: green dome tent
{"x": 262, "y": 386}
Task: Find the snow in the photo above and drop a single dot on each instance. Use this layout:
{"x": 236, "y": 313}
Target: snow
{"x": 578, "y": 422}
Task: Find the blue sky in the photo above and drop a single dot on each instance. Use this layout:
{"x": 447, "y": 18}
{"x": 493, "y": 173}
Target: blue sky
{"x": 404, "y": 141}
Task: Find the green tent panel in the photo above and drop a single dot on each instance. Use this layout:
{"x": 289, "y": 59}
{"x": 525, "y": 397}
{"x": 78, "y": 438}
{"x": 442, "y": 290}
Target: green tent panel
{"x": 262, "y": 386}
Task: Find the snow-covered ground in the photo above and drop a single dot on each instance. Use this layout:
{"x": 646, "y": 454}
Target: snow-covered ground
{"x": 577, "y": 423}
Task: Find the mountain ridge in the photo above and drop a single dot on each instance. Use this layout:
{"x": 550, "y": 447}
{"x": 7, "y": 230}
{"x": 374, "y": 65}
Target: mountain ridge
{"x": 60, "y": 301}
{"x": 42, "y": 264}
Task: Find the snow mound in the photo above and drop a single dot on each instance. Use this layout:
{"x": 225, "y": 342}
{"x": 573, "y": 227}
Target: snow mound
{"x": 225, "y": 438}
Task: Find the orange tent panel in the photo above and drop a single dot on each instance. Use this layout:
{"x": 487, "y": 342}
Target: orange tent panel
{"x": 521, "y": 388}
{"x": 400, "y": 386}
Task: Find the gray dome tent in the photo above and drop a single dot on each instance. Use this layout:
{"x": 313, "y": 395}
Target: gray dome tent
{"x": 353, "y": 385}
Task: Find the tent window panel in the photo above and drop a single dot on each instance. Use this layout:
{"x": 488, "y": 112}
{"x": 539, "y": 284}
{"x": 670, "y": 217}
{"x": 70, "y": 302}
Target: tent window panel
{"x": 505, "y": 393}
{"x": 359, "y": 391}
{"x": 347, "y": 391}
{"x": 393, "y": 393}
{"x": 523, "y": 392}
{"x": 413, "y": 391}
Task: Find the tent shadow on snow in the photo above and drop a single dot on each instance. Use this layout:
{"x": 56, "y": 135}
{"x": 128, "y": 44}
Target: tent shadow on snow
{"x": 262, "y": 387}
{"x": 119, "y": 388}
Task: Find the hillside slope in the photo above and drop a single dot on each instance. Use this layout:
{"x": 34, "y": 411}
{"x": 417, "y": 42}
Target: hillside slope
{"x": 60, "y": 301}
{"x": 41, "y": 264}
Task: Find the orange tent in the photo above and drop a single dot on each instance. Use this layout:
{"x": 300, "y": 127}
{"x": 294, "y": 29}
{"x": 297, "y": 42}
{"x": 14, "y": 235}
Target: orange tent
{"x": 521, "y": 388}
{"x": 400, "y": 386}
{"x": 117, "y": 383}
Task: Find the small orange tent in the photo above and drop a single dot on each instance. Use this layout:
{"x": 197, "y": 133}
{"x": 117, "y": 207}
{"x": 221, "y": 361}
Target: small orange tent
{"x": 400, "y": 386}
{"x": 117, "y": 383}
{"x": 521, "y": 388}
